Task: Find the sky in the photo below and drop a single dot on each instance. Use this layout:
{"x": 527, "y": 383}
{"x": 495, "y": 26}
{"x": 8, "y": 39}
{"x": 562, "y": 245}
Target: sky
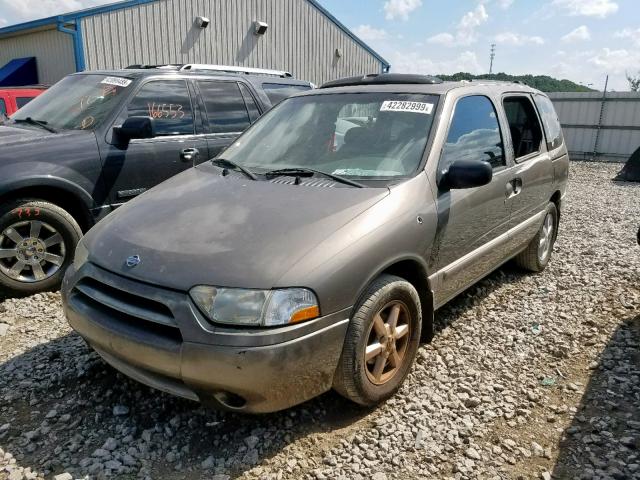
{"x": 581, "y": 40}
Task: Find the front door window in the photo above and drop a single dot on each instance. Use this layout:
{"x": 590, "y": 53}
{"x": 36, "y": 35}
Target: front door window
{"x": 168, "y": 103}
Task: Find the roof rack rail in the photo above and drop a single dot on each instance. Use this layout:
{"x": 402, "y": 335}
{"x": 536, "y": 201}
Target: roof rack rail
{"x": 232, "y": 69}
{"x": 489, "y": 80}
{"x": 383, "y": 79}
{"x": 168, "y": 66}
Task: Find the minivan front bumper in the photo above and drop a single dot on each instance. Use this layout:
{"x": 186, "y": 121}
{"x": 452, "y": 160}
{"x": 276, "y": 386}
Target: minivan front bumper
{"x": 158, "y": 337}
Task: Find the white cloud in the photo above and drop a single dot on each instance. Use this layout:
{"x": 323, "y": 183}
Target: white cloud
{"x": 23, "y": 10}
{"x": 588, "y": 8}
{"x": 628, "y": 33}
{"x": 369, "y": 33}
{"x": 517, "y": 39}
{"x": 443, "y": 39}
{"x": 616, "y": 61}
{"x": 580, "y": 34}
{"x": 465, "y": 33}
{"x": 400, "y": 8}
{"x": 504, "y": 4}
{"x": 416, "y": 62}
{"x": 3, "y": 22}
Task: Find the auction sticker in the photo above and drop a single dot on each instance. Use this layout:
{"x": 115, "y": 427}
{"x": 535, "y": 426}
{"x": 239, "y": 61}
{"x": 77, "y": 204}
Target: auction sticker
{"x": 402, "y": 106}
{"x": 117, "y": 81}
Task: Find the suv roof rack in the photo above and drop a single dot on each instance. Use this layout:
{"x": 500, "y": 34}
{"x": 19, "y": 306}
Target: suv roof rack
{"x": 213, "y": 68}
{"x": 141, "y": 66}
{"x": 383, "y": 79}
{"x": 232, "y": 69}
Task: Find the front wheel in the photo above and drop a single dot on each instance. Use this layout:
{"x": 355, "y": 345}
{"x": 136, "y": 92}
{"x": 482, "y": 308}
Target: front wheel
{"x": 37, "y": 243}
{"x": 382, "y": 342}
{"x": 538, "y": 253}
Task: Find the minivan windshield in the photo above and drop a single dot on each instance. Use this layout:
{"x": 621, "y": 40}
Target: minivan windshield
{"x": 355, "y": 135}
{"x": 77, "y": 102}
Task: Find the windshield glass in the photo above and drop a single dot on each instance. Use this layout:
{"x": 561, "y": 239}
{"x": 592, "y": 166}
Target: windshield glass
{"x": 355, "y": 135}
{"x": 77, "y": 102}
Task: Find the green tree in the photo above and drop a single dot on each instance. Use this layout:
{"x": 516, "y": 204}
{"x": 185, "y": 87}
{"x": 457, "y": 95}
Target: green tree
{"x": 634, "y": 82}
{"x": 541, "y": 82}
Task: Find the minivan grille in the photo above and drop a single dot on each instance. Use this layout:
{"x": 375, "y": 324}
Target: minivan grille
{"x": 129, "y": 310}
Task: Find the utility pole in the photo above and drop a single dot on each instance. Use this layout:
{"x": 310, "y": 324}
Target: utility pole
{"x": 492, "y": 55}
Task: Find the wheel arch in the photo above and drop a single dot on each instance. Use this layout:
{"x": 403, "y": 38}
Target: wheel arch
{"x": 414, "y": 271}
{"x": 60, "y": 192}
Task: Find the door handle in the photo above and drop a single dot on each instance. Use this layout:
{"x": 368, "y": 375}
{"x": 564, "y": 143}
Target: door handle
{"x": 513, "y": 187}
{"x": 189, "y": 155}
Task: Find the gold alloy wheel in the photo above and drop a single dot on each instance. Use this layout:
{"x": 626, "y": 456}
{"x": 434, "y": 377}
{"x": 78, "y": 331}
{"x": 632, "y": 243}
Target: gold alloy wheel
{"x": 387, "y": 342}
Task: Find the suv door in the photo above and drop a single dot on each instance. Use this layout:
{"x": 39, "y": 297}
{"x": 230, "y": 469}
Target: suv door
{"x": 131, "y": 169}
{"x": 472, "y": 223}
{"x": 532, "y": 179}
{"x": 227, "y": 112}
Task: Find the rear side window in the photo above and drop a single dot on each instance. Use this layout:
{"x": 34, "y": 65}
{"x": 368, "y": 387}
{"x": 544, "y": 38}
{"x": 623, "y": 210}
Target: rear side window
{"x": 524, "y": 126}
{"x": 474, "y": 134}
{"x": 3, "y": 107}
{"x": 278, "y": 91}
{"x": 22, "y": 101}
{"x": 250, "y": 102}
{"x": 168, "y": 102}
{"x": 550, "y": 121}
{"x": 226, "y": 110}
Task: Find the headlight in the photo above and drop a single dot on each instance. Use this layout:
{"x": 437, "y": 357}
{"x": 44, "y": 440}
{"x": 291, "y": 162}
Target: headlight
{"x": 81, "y": 256}
{"x": 238, "y": 306}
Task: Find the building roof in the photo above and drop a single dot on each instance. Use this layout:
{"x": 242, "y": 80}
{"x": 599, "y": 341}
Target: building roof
{"x": 72, "y": 16}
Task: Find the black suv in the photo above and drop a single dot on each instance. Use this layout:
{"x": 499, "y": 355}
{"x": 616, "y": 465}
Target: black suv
{"x": 96, "y": 139}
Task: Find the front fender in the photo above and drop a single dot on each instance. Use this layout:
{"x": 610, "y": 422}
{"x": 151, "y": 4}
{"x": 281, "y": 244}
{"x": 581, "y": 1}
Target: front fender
{"x": 40, "y": 174}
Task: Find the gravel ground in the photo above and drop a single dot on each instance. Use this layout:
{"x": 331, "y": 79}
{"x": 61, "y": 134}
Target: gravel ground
{"x": 529, "y": 376}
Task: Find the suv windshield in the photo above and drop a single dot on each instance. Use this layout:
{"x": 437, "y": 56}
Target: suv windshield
{"x": 355, "y": 135}
{"x": 77, "y": 102}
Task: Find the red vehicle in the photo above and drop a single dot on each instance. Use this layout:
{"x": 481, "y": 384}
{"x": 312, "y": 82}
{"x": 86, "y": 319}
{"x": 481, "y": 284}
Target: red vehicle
{"x": 14, "y": 98}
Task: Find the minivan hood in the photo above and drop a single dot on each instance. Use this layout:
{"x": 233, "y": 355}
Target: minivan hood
{"x": 200, "y": 228}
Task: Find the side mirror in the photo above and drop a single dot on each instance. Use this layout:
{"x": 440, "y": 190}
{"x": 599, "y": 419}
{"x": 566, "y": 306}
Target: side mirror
{"x": 136, "y": 127}
{"x": 466, "y": 174}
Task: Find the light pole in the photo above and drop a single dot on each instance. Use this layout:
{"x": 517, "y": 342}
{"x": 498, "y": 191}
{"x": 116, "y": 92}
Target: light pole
{"x": 492, "y": 55}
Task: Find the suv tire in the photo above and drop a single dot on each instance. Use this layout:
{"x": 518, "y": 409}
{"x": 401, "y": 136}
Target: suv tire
{"x": 538, "y": 253}
{"x": 366, "y": 373}
{"x": 37, "y": 244}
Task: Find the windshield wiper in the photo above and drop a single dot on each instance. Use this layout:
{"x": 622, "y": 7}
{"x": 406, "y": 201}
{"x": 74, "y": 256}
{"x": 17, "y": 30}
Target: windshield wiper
{"x": 39, "y": 123}
{"x": 309, "y": 172}
{"x": 224, "y": 163}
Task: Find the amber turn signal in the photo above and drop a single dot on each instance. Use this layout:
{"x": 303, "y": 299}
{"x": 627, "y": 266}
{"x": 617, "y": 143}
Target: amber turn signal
{"x": 305, "y": 314}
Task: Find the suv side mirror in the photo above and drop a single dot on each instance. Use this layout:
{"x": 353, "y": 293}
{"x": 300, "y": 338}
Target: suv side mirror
{"x": 466, "y": 174}
{"x": 135, "y": 127}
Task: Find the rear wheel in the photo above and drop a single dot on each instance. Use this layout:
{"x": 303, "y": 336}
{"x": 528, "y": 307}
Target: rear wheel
{"x": 538, "y": 253}
{"x": 37, "y": 243}
{"x": 382, "y": 341}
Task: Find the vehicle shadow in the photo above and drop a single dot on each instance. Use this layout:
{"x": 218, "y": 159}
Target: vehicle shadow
{"x": 57, "y": 405}
{"x": 455, "y": 308}
{"x": 603, "y": 440}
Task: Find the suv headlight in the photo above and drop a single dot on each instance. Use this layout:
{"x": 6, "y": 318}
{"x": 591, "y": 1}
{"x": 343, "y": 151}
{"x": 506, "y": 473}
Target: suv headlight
{"x": 239, "y": 306}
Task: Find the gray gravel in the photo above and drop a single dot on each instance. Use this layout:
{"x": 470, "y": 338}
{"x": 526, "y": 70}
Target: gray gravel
{"x": 529, "y": 376}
